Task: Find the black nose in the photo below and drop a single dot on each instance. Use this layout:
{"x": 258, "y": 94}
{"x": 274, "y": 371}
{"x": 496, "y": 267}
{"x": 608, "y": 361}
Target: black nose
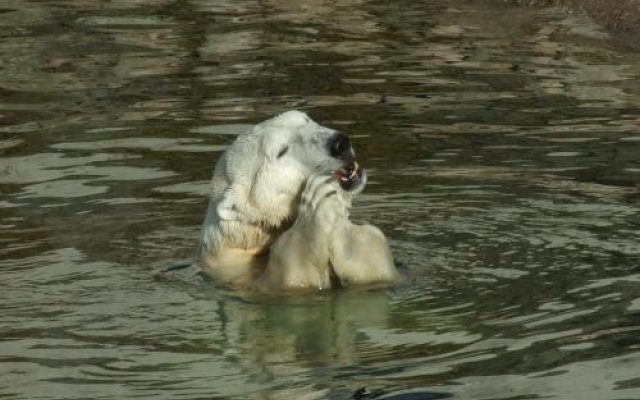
{"x": 340, "y": 146}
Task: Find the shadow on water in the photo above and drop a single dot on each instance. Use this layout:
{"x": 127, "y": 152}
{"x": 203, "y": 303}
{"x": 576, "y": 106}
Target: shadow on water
{"x": 502, "y": 148}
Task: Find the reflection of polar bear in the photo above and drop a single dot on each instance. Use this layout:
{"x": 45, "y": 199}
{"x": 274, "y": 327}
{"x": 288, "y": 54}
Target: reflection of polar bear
{"x": 278, "y": 214}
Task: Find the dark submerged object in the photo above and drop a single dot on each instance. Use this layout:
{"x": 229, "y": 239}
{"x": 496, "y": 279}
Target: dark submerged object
{"x": 364, "y": 394}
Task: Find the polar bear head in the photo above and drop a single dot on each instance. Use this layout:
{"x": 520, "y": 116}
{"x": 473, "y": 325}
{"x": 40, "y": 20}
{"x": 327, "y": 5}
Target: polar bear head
{"x": 258, "y": 180}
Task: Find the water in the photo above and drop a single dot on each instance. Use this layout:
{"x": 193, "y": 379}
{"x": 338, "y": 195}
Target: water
{"x": 502, "y": 145}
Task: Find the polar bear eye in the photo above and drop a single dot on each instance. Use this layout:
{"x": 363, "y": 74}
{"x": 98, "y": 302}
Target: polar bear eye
{"x": 283, "y": 151}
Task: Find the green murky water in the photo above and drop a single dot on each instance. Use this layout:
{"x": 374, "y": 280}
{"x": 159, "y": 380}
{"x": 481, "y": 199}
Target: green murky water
{"x": 503, "y": 149}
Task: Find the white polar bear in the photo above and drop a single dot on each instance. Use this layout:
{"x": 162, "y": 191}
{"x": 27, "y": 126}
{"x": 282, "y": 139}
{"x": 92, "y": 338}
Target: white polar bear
{"x": 278, "y": 214}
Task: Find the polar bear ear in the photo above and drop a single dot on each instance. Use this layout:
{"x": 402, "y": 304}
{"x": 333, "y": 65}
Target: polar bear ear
{"x": 227, "y": 210}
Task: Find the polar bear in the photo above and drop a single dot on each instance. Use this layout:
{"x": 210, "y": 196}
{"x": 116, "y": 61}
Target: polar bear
{"x": 278, "y": 217}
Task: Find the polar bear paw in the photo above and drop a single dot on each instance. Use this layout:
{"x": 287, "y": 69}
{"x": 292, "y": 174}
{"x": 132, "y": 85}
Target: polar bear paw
{"x": 323, "y": 203}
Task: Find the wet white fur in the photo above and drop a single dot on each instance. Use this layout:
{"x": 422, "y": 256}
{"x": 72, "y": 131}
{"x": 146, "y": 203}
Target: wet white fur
{"x": 257, "y": 229}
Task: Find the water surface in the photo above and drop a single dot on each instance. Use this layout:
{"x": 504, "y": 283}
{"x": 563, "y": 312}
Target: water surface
{"x": 502, "y": 145}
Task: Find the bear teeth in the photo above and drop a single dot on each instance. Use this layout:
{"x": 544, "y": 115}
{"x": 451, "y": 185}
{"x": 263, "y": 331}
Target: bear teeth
{"x": 348, "y": 174}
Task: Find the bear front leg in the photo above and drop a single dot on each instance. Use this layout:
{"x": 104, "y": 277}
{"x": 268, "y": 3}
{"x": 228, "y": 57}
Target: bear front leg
{"x": 360, "y": 255}
{"x": 300, "y": 257}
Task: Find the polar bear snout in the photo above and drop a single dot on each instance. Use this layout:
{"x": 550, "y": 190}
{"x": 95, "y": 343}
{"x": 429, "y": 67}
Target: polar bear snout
{"x": 340, "y": 147}
{"x": 351, "y": 175}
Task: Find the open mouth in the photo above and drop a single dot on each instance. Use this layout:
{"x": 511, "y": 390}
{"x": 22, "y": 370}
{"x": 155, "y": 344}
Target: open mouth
{"x": 349, "y": 175}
